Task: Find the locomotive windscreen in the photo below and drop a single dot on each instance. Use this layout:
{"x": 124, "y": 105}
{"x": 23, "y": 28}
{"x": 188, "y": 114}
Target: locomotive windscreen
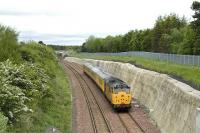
{"x": 118, "y": 85}
{"x": 119, "y": 88}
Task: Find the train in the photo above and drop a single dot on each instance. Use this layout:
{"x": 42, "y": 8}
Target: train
{"x": 115, "y": 90}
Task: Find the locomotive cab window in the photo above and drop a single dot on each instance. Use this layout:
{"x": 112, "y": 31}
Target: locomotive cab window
{"x": 119, "y": 88}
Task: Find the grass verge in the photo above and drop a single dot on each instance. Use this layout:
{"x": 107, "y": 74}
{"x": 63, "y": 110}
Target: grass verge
{"x": 185, "y": 73}
{"x": 56, "y": 113}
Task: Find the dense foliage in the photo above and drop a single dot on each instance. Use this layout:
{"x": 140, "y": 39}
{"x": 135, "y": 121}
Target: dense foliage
{"x": 8, "y": 43}
{"x": 170, "y": 34}
{"x": 3, "y": 123}
{"x": 61, "y": 47}
{"x": 196, "y": 26}
{"x": 29, "y": 86}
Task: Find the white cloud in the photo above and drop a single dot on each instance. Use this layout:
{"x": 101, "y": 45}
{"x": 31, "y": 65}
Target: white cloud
{"x": 87, "y": 16}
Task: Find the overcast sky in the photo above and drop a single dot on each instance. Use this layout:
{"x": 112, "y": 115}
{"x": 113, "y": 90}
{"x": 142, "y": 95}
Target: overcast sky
{"x": 70, "y": 22}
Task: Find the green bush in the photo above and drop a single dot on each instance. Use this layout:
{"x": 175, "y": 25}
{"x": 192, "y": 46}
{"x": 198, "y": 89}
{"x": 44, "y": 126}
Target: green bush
{"x": 21, "y": 86}
{"x": 34, "y": 94}
{"x": 41, "y": 55}
{"x": 3, "y": 123}
{"x": 12, "y": 98}
{"x": 8, "y": 44}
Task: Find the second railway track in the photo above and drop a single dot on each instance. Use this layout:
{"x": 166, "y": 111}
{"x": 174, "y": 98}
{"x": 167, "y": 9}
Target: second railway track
{"x": 99, "y": 122}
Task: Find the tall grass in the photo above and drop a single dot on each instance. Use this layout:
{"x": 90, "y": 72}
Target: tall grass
{"x": 8, "y": 44}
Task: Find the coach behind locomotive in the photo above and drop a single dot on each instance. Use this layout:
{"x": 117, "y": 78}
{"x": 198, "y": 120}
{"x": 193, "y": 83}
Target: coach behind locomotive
{"x": 116, "y": 91}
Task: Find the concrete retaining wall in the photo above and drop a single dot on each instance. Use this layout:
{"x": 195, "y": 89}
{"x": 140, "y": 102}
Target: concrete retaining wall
{"x": 173, "y": 103}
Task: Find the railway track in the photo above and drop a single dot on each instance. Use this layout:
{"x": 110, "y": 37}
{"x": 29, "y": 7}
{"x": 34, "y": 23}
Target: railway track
{"x": 128, "y": 122}
{"x": 96, "y": 115}
{"x": 112, "y": 121}
{"x": 136, "y": 122}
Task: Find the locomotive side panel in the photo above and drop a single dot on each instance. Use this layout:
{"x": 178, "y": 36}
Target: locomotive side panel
{"x": 116, "y": 91}
{"x": 98, "y": 80}
{"x": 108, "y": 93}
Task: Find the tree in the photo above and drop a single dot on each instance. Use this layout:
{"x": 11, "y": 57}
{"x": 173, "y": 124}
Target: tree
{"x": 125, "y": 45}
{"x": 163, "y": 26}
{"x": 83, "y": 47}
{"x": 41, "y": 42}
{"x": 146, "y": 40}
{"x": 135, "y": 42}
{"x": 181, "y": 41}
{"x": 196, "y": 22}
{"x": 89, "y": 44}
{"x": 196, "y": 26}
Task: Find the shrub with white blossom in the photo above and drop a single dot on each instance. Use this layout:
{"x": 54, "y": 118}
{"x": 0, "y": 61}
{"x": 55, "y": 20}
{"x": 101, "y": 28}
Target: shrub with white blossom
{"x": 20, "y": 86}
{"x": 3, "y": 123}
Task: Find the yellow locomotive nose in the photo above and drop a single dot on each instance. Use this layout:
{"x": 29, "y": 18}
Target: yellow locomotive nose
{"x": 121, "y": 98}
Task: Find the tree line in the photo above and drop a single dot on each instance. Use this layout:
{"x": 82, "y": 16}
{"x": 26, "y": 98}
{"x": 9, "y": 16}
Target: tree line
{"x": 61, "y": 47}
{"x": 170, "y": 34}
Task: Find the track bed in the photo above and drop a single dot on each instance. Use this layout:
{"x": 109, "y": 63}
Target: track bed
{"x": 93, "y": 113}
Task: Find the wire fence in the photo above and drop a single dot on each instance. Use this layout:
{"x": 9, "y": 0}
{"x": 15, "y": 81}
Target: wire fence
{"x": 174, "y": 58}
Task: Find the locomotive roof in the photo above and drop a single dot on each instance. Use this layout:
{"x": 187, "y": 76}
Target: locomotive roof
{"x": 98, "y": 70}
{"x": 112, "y": 81}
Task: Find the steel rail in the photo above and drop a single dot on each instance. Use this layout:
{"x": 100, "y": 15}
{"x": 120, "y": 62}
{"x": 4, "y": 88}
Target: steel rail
{"x": 86, "y": 99}
{"x": 119, "y": 114}
{"x": 100, "y": 108}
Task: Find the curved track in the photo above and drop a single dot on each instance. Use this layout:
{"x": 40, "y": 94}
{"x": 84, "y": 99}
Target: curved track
{"x": 126, "y": 118}
{"x": 103, "y": 117}
{"x": 96, "y": 116}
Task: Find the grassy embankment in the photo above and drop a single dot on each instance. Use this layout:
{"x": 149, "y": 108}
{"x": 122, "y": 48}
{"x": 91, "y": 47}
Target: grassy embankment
{"x": 34, "y": 89}
{"x": 186, "y": 73}
{"x": 55, "y": 111}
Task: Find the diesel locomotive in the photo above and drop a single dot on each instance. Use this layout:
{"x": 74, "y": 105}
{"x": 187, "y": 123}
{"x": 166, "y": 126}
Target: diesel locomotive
{"x": 116, "y": 91}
